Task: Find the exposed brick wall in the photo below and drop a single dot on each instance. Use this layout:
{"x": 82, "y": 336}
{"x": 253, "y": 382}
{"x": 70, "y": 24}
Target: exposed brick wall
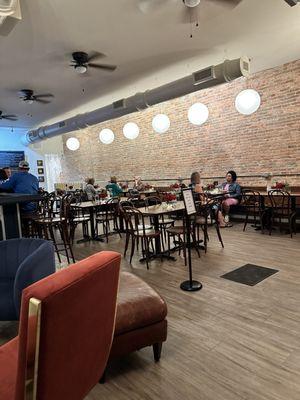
{"x": 265, "y": 142}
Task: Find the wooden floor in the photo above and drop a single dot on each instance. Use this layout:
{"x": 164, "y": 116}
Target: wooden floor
{"x": 226, "y": 342}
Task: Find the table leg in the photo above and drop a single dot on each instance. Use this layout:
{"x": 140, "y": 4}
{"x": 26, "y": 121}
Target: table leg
{"x": 158, "y": 252}
{"x": 93, "y": 235}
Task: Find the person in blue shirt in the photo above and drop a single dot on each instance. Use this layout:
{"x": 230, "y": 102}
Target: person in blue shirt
{"x": 113, "y": 187}
{"x": 23, "y": 182}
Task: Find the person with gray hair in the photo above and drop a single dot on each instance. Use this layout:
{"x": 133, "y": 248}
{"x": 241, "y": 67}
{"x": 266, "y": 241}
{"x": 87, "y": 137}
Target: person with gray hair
{"x": 90, "y": 189}
{"x": 23, "y": 182}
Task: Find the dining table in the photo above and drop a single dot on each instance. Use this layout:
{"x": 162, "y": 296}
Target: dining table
{"x": 92, "y": 207}
{"x": 155, "y": 212}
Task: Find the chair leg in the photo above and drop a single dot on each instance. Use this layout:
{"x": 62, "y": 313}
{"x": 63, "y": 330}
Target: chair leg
{"x": 126, "y": 243}
{"x": 132, "y": 247}
{"x": 246, "y": 221}
{"x": 146, "y": 249}
{"x": 219, "y": 233}
{"x": 54, "y": 242}
{"x": 157, "y": 351}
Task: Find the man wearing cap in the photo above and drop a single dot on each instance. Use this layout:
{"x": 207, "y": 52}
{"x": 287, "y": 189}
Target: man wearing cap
{"x": 23, "y": 182}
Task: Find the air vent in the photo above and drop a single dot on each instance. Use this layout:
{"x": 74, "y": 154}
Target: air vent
{"x": 119, "y": 104}
{"x": 204, "y": 75}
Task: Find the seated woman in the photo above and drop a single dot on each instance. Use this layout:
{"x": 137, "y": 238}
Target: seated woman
{"x": 138, "y": 184}
{"x": 90, "y": 189}
{"x": 195, "y": 185}
{"x": 113, "y": 187}
{"x": 231, "y": 198}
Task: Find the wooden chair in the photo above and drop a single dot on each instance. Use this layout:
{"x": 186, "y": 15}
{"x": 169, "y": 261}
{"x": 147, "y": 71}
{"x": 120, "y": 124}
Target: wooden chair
{"x": 252, "y": 205}
{"x": 46, "y": 223}
{"x": 137, "y": 229}
{"x": 108, "y": 213}
{"x": 164, "y": 222}
{"x": 281, "y": 204}
{"x": 77, "y": 216}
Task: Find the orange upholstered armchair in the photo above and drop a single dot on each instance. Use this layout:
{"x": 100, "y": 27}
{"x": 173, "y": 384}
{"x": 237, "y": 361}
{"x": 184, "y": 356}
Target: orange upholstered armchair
{"x": 65, "y": 335}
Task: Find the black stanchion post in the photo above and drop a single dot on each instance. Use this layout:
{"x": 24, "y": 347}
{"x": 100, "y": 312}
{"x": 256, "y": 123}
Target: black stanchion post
{"x": 190, "y": 285}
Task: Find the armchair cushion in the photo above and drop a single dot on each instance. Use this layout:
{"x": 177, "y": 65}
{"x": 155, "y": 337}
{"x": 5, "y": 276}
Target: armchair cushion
{"x": 138, "y": 305}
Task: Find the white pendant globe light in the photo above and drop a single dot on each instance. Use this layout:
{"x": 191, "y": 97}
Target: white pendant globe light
{"x": 247, "y": 102}
{"x": 73, "y": 144}
{"x": 131, "y": 130}
{"x": 198, "y": 114}
{"x": 106, "y": 136}
{"x": 161, "y": 123}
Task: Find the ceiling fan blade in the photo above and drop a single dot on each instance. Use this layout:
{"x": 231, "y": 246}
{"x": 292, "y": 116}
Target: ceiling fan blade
{"x": 226, "y": 3}
{"x": 146, "y": 6}
{"x": 42, "y": 101}
{"x": 94, "y": 55}
{"x": 103, "y": 66}
{"x": 9, "y": 118}
{"x": 38, "y": 96}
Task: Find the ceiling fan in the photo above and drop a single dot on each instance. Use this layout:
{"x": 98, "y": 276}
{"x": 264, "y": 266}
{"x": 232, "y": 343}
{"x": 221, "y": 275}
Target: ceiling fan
{"x": 8, "y": 117}
{"x": 28, "y": 96}
{"x": 189, "y": 12}
{"x": 82, "y": 61}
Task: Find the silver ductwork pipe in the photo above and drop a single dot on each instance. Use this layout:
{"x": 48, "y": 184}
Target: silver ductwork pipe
{"x": 207, "y": 77}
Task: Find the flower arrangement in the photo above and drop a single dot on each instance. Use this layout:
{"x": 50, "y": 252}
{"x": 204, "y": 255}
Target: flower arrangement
{"x": 175, "y": 186}
{"x": 279, "y": 185}
{"x": 210, "y": 186}
{"x": 169, "y": 197}
{"x": 103, "y": 194}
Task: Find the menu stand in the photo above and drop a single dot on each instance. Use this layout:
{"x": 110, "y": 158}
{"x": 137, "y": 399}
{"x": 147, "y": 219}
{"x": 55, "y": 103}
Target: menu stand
{"x": 190, "y": 285}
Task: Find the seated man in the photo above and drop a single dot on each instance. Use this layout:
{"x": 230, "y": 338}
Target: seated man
{"x": 231, "y": 198}
{"x": 24, "y": 183}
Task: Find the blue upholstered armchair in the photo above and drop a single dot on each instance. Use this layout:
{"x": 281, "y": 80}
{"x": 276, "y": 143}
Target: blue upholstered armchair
{"x": 22, "y": 262}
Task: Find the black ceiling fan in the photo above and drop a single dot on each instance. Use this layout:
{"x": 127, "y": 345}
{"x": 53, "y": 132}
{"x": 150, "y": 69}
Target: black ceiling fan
{"x": 28, "y": 96}
{"x": 8, "y": 117}
{"x": 82, "y": 61}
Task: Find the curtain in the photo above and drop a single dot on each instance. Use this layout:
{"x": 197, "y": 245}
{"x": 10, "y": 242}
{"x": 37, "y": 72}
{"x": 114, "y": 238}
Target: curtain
{"x": 53, "y": 170}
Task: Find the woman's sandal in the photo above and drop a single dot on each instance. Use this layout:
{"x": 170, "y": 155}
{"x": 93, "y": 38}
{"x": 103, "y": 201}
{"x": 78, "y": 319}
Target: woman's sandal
{"x": 228, "y": 225}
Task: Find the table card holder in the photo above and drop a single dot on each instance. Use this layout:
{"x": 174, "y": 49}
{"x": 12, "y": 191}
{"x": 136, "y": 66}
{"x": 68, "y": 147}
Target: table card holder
{"x": 190, "y": 209}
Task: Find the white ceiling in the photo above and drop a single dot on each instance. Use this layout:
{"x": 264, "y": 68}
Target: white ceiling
{"x": 150, "y": 49}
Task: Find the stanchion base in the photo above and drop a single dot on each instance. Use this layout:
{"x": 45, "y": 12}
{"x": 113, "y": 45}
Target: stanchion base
{"x": 191, "y": 286}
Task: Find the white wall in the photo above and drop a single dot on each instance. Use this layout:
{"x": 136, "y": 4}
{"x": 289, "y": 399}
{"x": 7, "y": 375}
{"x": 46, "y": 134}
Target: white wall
{"x": 11, "y": 141}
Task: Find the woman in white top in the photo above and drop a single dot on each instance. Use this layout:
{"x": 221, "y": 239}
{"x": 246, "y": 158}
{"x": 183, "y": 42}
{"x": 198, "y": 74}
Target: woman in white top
{"x": 90, "y": 189}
